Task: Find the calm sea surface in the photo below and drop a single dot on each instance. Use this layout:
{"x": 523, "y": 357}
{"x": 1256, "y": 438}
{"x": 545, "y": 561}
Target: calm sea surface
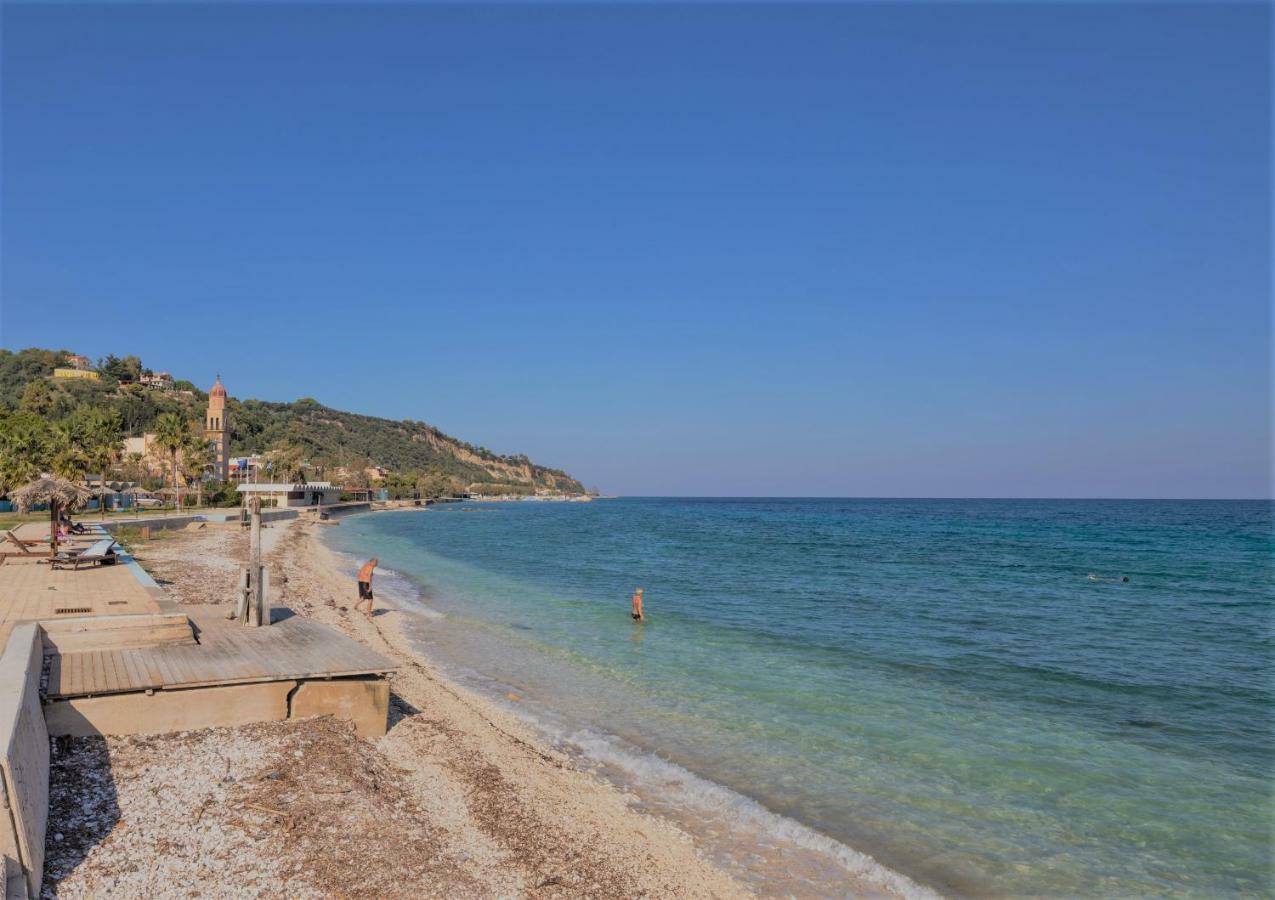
{"x": 936, "y": 683}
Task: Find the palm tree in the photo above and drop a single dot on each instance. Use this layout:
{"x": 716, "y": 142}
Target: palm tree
{"x": 196, "y": 458}
{"x": 26, "y": 448}
{"x": 102, "y": 444}
{"x": 171, "y": 434}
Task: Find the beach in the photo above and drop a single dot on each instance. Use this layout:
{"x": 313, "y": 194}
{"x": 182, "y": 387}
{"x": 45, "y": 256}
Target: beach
{"x": 458, "y": 799}
{"x": 781, "y": 724}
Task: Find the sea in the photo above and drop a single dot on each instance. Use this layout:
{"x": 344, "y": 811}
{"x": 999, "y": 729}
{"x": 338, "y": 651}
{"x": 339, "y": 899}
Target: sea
{"x": 954, "y": 697}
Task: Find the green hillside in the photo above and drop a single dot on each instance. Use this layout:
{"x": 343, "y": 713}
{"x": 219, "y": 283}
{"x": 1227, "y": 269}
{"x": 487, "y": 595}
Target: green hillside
{"x": 325, "y": 438}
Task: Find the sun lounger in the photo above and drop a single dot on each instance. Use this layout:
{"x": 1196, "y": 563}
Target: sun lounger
{"x": 18, "y": 542}
{"x": 101, "y": 553}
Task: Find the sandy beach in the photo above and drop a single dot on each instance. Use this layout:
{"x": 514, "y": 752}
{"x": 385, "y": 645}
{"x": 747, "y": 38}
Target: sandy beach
{"x": 458, "y": 799}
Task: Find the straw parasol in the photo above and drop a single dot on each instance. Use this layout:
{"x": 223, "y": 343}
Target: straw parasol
{"x": 136, "y": 491}
{"x": 59, "y": 493}
{"x": 52, "y": 490}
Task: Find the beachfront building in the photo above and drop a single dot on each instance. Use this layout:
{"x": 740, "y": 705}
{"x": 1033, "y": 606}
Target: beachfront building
{"x": 316, "y": 493}
{"x": 217, "y": 431}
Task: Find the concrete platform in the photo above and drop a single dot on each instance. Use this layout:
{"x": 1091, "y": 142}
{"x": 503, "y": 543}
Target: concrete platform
{"x": 30, "y": 592}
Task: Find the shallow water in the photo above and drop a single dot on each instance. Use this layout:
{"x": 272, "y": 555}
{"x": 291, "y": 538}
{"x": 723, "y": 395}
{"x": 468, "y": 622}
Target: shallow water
{"x": 936, "y": 683}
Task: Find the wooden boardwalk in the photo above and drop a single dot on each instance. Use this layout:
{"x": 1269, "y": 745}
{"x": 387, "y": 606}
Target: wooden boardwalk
{"x": 292, "y": 647}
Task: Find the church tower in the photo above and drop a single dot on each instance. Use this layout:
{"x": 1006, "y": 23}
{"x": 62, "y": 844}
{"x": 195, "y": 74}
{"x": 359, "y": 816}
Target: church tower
{"x": 217, "y": 431}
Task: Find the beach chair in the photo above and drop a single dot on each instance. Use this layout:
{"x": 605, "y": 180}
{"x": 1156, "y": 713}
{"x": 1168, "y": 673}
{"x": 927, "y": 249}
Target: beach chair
{"x": 19, "y": 543}
{"x": 100, "y": 554}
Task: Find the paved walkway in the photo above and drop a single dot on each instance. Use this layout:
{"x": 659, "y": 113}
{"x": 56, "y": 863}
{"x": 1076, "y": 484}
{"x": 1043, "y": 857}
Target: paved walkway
{"x": 30, "y": 591}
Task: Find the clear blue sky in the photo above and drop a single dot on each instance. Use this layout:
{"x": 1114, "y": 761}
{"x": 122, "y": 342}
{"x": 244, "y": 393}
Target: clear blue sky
{"x": 952, "y": 250}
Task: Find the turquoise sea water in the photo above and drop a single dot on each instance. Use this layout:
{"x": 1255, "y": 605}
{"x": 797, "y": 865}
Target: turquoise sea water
{"x": 935, "y": 683}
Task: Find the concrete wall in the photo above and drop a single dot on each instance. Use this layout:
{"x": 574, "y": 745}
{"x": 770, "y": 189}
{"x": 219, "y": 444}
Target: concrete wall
{"x": 363, "y": 701}
{"x": 24, "y": 757}
{"x": 164, "y": 523}
{"x": 161, "y": 712}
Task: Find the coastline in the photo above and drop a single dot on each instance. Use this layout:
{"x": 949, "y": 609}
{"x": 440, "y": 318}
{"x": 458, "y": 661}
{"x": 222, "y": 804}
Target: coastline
{"x": 765, "y": 852}
{"x": 493, "y": 803}
{"x": 459, "y": 798}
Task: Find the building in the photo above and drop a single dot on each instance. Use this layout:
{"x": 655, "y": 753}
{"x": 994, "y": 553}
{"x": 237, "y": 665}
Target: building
{"x": 75, "y": 361}
{"x": 87, "y": 374}
{"x": 245, "y": 468}
{"x": 143, "y": 450}
{"x": 161, "y": 380}
{"x": 217, "y": 431}
{"x": 316, "y": 493}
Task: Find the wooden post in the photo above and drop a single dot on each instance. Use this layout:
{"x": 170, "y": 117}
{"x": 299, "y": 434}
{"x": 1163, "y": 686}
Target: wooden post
{"x": 53, "y": 528}
{"x": 240, "y": 611}
{"x": 257, "y": 600}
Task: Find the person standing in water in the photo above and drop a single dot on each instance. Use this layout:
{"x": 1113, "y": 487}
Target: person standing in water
{"x": 365, "y": 585}
{"x": 637, "y": 606}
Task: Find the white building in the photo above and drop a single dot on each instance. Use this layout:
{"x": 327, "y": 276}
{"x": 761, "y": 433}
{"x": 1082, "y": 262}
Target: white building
{"x": 316, "y": 493}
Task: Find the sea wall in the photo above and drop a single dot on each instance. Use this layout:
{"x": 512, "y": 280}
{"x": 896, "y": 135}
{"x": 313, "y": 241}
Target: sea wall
{"x": 24, "y": 762}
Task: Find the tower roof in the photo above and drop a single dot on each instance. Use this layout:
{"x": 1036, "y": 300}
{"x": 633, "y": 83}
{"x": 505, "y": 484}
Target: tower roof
{"x": 217, "y": 389}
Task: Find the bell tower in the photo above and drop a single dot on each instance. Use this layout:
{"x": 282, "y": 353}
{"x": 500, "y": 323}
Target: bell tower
{"x": 217, "y": 431}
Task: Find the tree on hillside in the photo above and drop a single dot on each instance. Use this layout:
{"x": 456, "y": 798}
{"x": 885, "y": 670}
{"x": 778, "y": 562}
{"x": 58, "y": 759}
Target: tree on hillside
{"x": 171, "y": 434}
{"x": 37, "y": 398}
{"x": 124, "y": 370}
{"x": 434, "y": 484}
{"x": 286, "y": 463}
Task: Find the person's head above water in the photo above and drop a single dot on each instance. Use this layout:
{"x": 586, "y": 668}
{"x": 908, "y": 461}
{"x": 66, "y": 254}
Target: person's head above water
{"x": 638, "y": 591}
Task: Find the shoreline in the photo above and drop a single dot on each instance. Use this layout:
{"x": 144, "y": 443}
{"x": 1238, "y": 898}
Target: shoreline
{"x": 768, "y": 851}
{"x": 481, "y": 805}
{"x": 504, "y": 806}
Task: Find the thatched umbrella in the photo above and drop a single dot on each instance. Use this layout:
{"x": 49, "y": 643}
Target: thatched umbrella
{"x": 58, "y": 493}
{"x": 136, "y": 491}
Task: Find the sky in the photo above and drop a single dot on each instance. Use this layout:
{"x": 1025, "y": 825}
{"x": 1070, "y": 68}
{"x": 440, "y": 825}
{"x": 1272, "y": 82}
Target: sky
{"x": 971, "y": 250}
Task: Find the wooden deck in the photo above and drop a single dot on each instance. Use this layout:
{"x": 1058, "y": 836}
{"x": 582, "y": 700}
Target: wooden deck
{"x": 293, "y": 647}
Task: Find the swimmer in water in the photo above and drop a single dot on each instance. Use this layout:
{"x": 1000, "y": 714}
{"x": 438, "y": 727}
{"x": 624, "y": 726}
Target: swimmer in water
{"x": 1123, "y": 579}
{"x": 637, "y": 606}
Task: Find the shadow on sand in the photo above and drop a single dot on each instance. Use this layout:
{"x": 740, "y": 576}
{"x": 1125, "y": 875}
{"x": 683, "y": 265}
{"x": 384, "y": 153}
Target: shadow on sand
{"x": 83, "y": 806}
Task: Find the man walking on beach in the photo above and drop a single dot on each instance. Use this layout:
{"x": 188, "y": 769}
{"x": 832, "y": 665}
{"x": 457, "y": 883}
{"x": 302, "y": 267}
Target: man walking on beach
{"x": 637, "y": 606}
{"x": 365, "y": 585}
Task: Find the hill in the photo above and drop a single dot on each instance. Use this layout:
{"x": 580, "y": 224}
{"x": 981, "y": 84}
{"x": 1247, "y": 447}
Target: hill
{"x": 328, "y": 438}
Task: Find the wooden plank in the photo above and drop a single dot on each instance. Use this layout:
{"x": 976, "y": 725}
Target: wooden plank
{"x": 181, "y": 661}
{"x": 167, "y": 673}
{"x": 154, "y": 677}
{"x": 136, "y": 675}
{"x": 98, "y": 672}
{"x": 72, "y": 664}
{"x": 114, "y": 678}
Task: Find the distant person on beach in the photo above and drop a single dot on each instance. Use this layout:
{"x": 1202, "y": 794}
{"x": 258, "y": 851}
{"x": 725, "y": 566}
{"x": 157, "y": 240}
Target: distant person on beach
{"x": 365, "y": 585}
{"x": 637, "y": 606}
